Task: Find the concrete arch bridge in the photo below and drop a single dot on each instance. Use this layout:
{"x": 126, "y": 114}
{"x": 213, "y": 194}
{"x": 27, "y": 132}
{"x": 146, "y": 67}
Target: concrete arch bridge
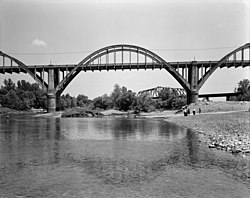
{"x": 191, "y": 75}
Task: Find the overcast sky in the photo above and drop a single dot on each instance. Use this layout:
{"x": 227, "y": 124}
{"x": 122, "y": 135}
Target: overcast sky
{"x": 37, "y": 31}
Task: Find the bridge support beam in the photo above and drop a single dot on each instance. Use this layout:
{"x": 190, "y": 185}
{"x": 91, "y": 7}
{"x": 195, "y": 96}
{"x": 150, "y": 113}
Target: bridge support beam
{"x": 51, "y": 95}
{"x": 192, "y": 94}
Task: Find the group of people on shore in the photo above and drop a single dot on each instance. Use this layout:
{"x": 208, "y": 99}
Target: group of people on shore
{"x": 187, "y": 111}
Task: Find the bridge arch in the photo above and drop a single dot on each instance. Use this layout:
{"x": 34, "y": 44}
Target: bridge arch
{"x": 104, "y": 53}
{"x": 231, "y": 59}
{"x": 21, "y": 67}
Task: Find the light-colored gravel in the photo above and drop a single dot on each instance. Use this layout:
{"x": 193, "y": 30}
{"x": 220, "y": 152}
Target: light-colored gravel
{"x": 226, "y": 130}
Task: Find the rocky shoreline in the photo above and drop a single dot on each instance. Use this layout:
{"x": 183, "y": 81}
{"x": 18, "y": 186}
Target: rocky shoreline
{"x": 229, "y": 131}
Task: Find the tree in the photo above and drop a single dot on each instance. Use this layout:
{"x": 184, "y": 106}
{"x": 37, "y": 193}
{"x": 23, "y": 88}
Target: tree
{"x": 144, "y": 103}
{"x": 115, "y": 95}
{"x": 67, "y": 99}
{"x": 82, "y": 100}
{"x": 170, "y": 99}
{"x": 165, "y": 94}
{"x": 9, "y": 85}
{"x": 27, "y": 98}
{"x": 126, "y": 99}
{"x": 244, "y": 88}
{"x": 23, "y": 96}
{"x": 23, "y": 85}
{"x": 40, "y": 99}
{"x": 102, "y": 102}
{"x": 61, "y": 104}
{"x": 73, "y": 102}
{"x": 11, "y": 100}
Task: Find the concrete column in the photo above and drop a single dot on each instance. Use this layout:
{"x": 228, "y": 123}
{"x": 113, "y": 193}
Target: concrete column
{"x": 192, "y": 95}
{"x": 57, "y": 102}
{"x": 51, "y": 98}
{"x": 51, "y": 102}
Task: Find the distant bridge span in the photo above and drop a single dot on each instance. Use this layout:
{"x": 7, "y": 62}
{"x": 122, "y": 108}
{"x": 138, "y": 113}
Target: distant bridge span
{"x": 190, "y": 74}
{"x": 155, "y": 92}
{"x": 227, "y": 95}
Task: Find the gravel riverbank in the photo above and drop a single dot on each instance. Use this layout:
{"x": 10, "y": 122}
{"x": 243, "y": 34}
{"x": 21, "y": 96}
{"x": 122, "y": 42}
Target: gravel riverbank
{"x": 229, "y": 131}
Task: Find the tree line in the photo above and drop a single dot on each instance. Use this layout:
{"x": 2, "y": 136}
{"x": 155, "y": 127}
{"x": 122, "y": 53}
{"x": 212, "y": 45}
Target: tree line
{"x": 24, "y": 96}
{"x": 244, "y": 89}
{"x": 125, "y": 100}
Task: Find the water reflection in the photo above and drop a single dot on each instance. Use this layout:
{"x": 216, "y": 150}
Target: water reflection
{"x": 193, "y": 146}
{"x": 39, "y": 141}
{"x": 120, "y": 129}
{"x": 26, "y": 140}
{"x": 53, "y": 129}
{"x": 46, "y": 156}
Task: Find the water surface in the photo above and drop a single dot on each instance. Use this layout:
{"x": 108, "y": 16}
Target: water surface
{"x": 113, "y": 157}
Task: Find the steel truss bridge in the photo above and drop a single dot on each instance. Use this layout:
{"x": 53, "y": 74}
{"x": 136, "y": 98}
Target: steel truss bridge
{"x": 154, "y": 92}
{"x": 191, "y": 75}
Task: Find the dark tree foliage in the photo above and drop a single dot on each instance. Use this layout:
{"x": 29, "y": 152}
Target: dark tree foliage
{"x": 61, "y": 104}
{"x": 102, "y": 102}
{"x": 170, "y": 99}
{"x": 82, "y": 100}
{"x": 24, "y": 96}
{"x": 9, "y": 85}
{"x": 126, "y": 99}
{"x": 67, "y": 101}
{"x": 123, "y": 99}
{"x": 115, "y": 96}
{"x": 244, "y": 88}
{"x": 144, "y": 103}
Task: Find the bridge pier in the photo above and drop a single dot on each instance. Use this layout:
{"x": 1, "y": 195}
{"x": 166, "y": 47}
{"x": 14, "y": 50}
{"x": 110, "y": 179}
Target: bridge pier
{"x": 192, "y": 94}
{"x": 53, "y": 79}
{"x": 51, "y": 99}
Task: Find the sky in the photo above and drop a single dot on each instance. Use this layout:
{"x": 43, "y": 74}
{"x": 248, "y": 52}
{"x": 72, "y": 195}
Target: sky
{"x": 66, "y": 31}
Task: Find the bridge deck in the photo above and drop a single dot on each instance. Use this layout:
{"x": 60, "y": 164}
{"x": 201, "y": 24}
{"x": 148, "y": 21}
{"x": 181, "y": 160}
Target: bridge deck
{"x": 125, "y": 66}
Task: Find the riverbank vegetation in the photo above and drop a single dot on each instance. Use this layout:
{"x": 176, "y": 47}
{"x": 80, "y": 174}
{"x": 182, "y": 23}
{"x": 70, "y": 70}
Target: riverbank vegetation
{"x": 22, "y": 96}
{"x": 123, "y": 99}
{"x": 25, "y": 96}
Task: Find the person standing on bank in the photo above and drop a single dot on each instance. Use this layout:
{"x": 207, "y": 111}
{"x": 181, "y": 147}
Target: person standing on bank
{"x": 185, "y": 112}
{"x": 194, "y": 111}
{"x": 199, "y": 110}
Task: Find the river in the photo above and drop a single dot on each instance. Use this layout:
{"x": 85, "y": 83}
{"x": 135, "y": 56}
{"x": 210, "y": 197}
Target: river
{"x": 113, "y": 157}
